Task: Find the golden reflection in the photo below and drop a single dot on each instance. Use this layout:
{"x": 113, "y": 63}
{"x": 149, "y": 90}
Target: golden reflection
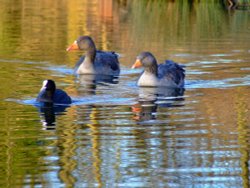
{"x": 95, "y": 139}
{"x": 67, "y": 145}
{"x": 105, "y": 13}
{"x": 243, "y": 135}
{"x": 78, "y": 17}
{"x": 40, "y": 31}
{"x": 105, "y": 8}
{"x": 9, "y": 157}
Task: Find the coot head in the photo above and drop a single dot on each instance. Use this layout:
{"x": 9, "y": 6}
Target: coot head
{"x": 50, "y": 94}
{"x": 49, "y": 87}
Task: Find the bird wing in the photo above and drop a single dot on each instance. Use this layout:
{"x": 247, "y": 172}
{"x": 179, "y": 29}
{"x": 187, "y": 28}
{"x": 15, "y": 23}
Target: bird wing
{"x": 61, "y": 97}
{"x": 171, "y": 70}
{"x": 103, "y": 59}
{"x": 107, "y": 59}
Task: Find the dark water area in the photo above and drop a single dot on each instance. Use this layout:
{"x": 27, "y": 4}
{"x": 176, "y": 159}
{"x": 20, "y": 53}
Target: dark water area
{"x": 116, "y": 134}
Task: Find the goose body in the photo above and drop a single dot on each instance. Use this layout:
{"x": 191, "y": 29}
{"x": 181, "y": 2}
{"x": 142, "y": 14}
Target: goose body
{"x": 94, "y": 61}
{"x": 167, "y": 74}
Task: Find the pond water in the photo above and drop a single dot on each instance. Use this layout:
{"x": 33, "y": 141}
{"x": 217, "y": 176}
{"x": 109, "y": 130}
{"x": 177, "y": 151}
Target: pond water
{"x": 116, "y": 134}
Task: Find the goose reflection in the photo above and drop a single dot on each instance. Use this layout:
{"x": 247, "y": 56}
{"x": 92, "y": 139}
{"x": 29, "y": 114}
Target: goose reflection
{"x": 88, "y": 82}
{"x": 89, "y": 88}
{"x": 150, "y": 99}
{"x": 48, "y": 113}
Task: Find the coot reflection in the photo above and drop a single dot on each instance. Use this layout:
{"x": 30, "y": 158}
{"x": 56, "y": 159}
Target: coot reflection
{"x": 48, "y": 113}
{"x": 51, "y": 101}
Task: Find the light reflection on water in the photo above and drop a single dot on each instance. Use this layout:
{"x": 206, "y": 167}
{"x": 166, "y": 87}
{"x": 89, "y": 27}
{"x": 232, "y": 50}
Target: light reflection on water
{"x": 116, "y": 134}
{"x": 135, "y": 135}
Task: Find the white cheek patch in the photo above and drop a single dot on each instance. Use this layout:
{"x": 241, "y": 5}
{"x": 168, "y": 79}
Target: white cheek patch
{"x": 44, "y": 84}
{"x": 75, "y": 42}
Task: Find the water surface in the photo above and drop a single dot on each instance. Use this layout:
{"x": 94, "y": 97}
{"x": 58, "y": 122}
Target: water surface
{"x": 116, "y": 134}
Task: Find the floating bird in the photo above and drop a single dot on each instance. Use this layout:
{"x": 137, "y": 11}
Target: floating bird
{"x": 49, "y": 94}
{"x": 168, "y": 74}
{"x": 94, "y": 61}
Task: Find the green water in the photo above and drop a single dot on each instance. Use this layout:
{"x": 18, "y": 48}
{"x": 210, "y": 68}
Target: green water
{"x": 116, "y": 134}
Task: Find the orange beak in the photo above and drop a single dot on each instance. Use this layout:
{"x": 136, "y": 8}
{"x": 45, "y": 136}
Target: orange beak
{"x": 136, "y": 108}
{"x": 73, "y": 46}
{"x": 137, "y": 64}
